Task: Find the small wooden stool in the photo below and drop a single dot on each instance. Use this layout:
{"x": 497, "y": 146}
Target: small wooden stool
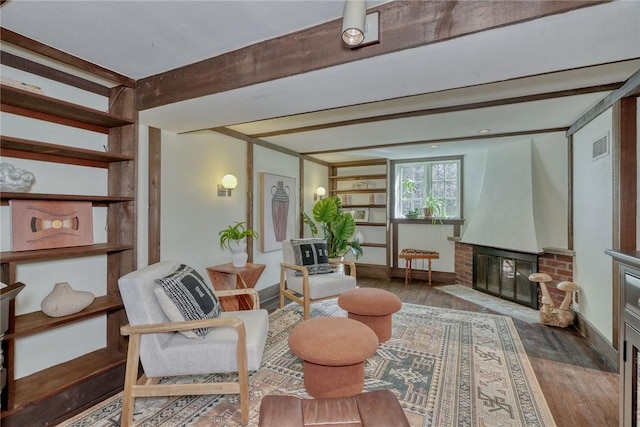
{"x": 410, "y": 254}
{"x": 333, "y": 350}
{"x": 373, "y": 307}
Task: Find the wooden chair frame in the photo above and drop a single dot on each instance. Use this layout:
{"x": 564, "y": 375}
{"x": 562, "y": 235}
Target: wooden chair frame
{"x": 149, "y": 387}
{"x": 304, "y": 299}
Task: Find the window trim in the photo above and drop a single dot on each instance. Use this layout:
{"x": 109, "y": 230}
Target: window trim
{"x": 393, "y": 185}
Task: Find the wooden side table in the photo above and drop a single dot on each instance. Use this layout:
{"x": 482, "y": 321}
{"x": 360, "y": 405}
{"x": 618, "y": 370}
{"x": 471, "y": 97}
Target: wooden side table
{"x": 410, "y": 254}
{"x": 226, "y": 276}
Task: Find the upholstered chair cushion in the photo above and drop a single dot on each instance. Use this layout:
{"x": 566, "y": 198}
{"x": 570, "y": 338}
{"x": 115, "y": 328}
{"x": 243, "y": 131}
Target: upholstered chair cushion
{"x": 183, "y": 295}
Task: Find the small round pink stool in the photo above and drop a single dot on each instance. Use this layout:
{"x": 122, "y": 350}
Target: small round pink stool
{"x": 333, "y": 350}
{"x": 373, "y": 307}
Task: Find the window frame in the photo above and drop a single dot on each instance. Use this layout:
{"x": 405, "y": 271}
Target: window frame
{"x": 395, "y": 186}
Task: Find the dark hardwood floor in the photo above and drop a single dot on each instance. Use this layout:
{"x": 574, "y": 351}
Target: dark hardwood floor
{"x": 579, "y": 387}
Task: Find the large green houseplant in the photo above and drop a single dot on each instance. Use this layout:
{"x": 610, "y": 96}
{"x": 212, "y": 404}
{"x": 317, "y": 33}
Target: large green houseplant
{"x": 337, "y": 226}
{"x": 234, "y": 238}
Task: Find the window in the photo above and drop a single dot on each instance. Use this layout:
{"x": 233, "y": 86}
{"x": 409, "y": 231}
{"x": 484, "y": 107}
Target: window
{"x": 415, "y": 181}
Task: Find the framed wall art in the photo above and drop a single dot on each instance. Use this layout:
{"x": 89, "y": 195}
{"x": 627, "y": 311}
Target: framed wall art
{"x": 46, "y": 224}
{"x": 360, "y": 215}
{"x": 277, "y": 210}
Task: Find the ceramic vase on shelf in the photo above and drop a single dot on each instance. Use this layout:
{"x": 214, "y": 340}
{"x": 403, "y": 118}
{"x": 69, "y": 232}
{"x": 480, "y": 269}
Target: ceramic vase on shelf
{"x": 63, "y": 300}
{"x": 239, "y": 254}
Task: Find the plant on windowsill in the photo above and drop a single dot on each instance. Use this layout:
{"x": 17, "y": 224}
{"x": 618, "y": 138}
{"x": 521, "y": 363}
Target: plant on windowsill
{"x": 234, "y": 238}
{"x": 338, "y": 227}
{"x": 434, "y": 207}
{"x": 413, "y": 213}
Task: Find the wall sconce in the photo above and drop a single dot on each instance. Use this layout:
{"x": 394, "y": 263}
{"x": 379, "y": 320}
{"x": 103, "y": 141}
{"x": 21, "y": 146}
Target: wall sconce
{"x": 319, "y": 194}
{"x": 229, "y": 182}
{"x": 358, "y": 28}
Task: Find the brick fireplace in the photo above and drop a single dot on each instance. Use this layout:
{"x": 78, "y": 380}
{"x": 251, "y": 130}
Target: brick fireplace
{"x": 557, "y": 263}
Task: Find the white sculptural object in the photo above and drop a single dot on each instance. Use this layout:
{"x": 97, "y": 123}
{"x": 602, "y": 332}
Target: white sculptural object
{"x": 64, "y": 300}
{"x": 13, "y": 179}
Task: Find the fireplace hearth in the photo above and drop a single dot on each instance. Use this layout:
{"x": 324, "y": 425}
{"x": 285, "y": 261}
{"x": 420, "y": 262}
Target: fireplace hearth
{"x": 505, "y": 274}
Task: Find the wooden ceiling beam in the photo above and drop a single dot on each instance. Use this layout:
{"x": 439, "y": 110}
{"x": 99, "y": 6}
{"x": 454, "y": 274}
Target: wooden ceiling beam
{"x": 448, "y": 109}
{"x": 403, "y": 25}
{"x": 440, "y": 140}
{"x": 8, "y": 36}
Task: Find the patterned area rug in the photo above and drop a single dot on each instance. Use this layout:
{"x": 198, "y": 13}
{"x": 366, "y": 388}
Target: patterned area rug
{"x": 447, "y": 368}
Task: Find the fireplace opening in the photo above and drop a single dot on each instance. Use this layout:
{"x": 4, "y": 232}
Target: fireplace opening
{"x": 505, "y": 274}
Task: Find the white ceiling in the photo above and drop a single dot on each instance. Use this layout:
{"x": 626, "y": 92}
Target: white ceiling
{"x": 143, "y": 38}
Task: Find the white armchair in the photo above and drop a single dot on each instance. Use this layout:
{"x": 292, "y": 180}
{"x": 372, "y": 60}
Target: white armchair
{"x": 235, "y": 343}
{"x": 306, "y": 287}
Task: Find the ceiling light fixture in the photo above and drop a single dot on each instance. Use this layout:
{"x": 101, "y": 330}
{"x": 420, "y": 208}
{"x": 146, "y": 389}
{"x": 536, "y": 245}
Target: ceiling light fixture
{"x": 358, "y": 28}
{"x": 484, "y": 131}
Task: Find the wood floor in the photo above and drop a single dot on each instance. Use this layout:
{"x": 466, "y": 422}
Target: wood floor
{"x": 580, "y": 388}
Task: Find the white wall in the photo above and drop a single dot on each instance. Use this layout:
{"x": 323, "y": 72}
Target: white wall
{"x": 550, "y": 175}
{"x": 34, "y": 353}
{"x": 592, "y": 204}
{"x": 315, "y": 175}
{"x": 274, "y": 162}
{"x": 191, "y": 212}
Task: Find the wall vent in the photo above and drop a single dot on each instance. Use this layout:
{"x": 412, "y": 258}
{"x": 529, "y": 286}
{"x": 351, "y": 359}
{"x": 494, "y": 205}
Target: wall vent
{"x": 600, "y": 147}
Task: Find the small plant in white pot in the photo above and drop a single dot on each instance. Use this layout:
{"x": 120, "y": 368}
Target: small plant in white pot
{"x": 234, "y": 238}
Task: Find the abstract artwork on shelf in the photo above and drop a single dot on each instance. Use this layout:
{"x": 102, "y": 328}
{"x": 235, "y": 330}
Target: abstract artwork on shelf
{"x": 46, "y": 224}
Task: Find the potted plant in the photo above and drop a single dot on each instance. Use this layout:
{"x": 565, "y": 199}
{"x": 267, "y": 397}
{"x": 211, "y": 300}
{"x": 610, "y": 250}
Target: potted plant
{"x": 413, "y": 213}
{"x": 234, "y": 238}
{"x": 434, "y": 207}
{"x": 337, "y": 225}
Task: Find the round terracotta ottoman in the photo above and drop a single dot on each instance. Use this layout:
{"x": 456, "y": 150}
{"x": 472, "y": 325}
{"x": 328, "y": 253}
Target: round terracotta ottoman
{"x": 333, "y": 350}
{"x": 373, "y": 307}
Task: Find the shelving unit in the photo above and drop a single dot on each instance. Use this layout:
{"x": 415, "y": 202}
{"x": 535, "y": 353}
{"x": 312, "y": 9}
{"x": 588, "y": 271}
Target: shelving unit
{"x": 342, "y": 177}
{"x": 57, "y": 392}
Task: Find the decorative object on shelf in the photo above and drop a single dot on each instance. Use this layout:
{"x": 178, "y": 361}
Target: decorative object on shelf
{"x": 63, "y": 300}
{"x": 372, "y": 199}
{"x": 234, "y": 238}
{"x": 14, "y": 179}
{"x": 360, "y": 214}
{"x": 45, "y": 224}
{"x": 549, "y": 314}
{"x": 277, "y": 210}
{"x": 337, "y": 225}
{"x": 22, "y": 85}
{"x": 344, "y": 199}
{"x": 360, "y": 185}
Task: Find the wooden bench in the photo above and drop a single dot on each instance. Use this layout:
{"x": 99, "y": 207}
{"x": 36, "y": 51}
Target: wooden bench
{"x": 410, "y": 254}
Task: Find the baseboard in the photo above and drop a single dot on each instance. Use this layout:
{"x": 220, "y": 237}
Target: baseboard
{"x": 597, "y": 341}
{"x": 269, "y": 293}
{"x": 374, "y": 271}
{"x": 439, "y": 277}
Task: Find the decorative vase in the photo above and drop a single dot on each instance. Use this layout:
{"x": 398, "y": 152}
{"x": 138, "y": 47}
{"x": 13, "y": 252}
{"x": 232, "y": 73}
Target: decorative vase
{"x": 239, "y": 254}
{"x": 64, "y": 300}
{"x": 280, "y": 210}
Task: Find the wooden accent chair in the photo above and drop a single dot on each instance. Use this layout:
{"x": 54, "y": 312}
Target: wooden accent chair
{"x": 306, "y": 287}
{"x": 235, "y": 343}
